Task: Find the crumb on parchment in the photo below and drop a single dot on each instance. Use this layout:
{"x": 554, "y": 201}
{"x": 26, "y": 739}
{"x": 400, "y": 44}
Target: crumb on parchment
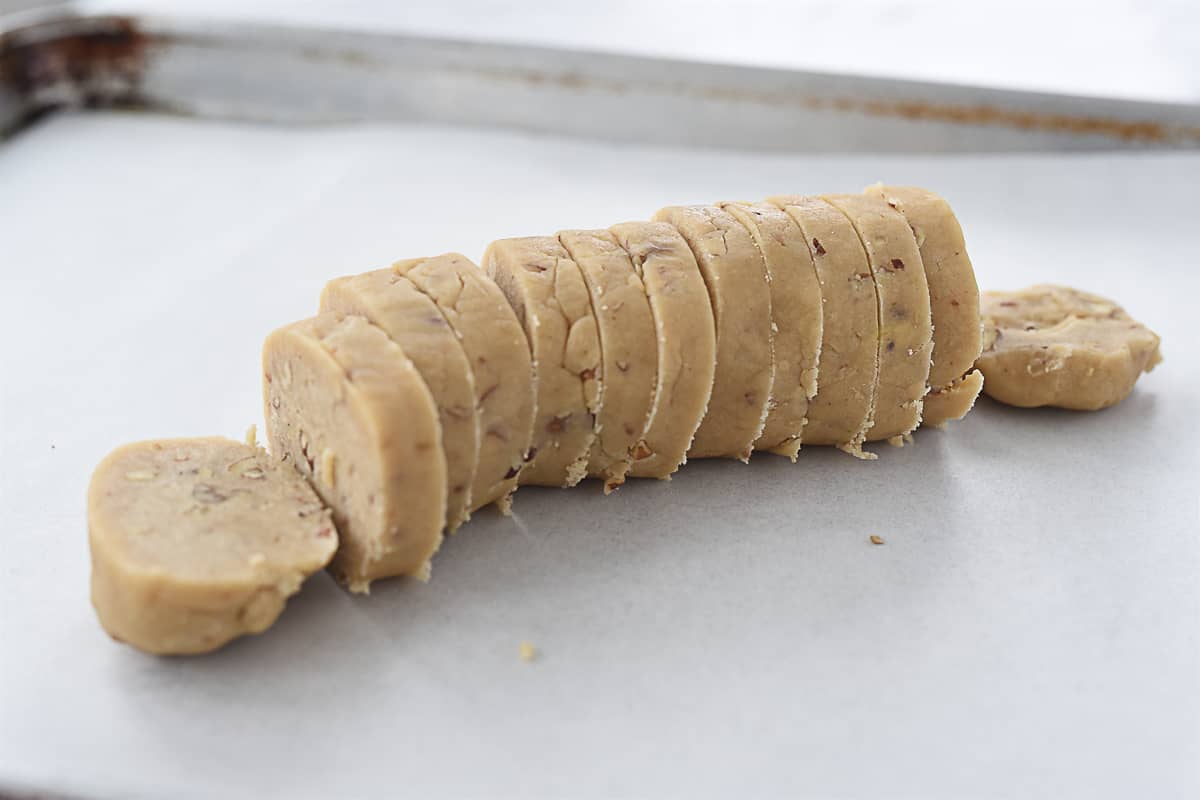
{"x": 252, "y": 436}
{"x": 875, "y": 539}
{"x": 527, "y": 652}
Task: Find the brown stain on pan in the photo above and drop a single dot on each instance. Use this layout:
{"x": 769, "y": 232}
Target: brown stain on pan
{"x": 91, "y": 62}
{"x": 1124, "y": 130}
{"x": 1146, "y": 131}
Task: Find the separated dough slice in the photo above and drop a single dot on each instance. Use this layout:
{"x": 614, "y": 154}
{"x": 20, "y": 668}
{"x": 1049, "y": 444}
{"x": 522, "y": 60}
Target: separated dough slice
{"x": 629, "y": 365}
{"x": 349, "y": 409}
{"x": 547, "y": 291}
{"x": 498, "y": 355}
{"x": 1057, "y": 346}
{"x": 905, "y": 329}
{"x": 686, "y": 343}
{"x": 954, "y": 401}
{"x": 736, "y": 278}
{"x": 195, "y": 542}
{"x": 413, "y": 321}
{"x": 796, "y": 314}
{"x": 953, "y": 294}
{"x": 848, "y": 368}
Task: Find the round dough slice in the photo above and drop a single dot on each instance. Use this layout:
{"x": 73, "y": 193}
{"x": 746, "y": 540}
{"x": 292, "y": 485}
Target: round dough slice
{"x": 905, "y": 329}
{"x": 349, "y": 409}
{"x": 502, "y": 372}
{"x": 953, "y": 296}
{"x": 848, "y": 367}
{"x": 796, "y": 314}
{"x": 547, "y": 291}
{"x": 195, "y": 542}
{"x": 1057, "y": 346}
{"x": 686, "y": 341}
{"x": 413, "y": 321}
{"x": 628, "y": 367}
{"x": 736, "y": 278}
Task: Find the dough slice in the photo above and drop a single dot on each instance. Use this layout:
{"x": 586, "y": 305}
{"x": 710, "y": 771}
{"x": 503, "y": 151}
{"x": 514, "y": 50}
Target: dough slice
{"x": 953, "y": 294}
{"x": 502, "y": 373}
{"x": 629, "y": 365}
{"x": 905, "y": 328}
{"x": 954, "y": 401}
{"x": 796, "y": 314}
{"x": 686, "y": 343}
{"x": 195, "y": 542}
{"x": 392, "y": 302}
{"x": 848, "y": 367}
{"x": 547, "y": 291}
{"x": 736, "y": 278}
{"x": 348, "y": 408}
{"x": 1057, "y": 346}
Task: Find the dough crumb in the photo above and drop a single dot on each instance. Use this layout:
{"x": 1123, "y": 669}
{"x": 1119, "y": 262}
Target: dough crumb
{"x": 876, "y": 539}
{"x": 252, "y": 436}
{"x": 527, "y": 652}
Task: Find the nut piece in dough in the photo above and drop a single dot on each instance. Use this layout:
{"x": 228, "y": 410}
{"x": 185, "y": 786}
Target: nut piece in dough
{"x": 195, "y": 542}
{"x": 1057, "y": 346}
{"x": 905, "y": 329}
{"x": 628, "y": 366}
{"x": 686, "y": 343}
{"x": 412, "y": 320}
{"x": 547, "y": 291}
{"x": 736, "y": 277}
{"x": 340, "y": 384}
{"x": 953, "y": 296}
{"x": 848, "y": 368}
{"x": 796, "y": 316}
{"x": 498, "y": 353}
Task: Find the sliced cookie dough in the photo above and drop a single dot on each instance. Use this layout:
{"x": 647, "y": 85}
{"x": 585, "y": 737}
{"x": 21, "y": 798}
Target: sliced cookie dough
{"x": 685, "y": 338}
{"x": 392, "y": 302}
{"x": 1057, "y": 346}
{"x": 954, "y": 401}
{"x": 953, "y": 296}
{"x": 548, "y": 293}
{"x": 848, "y": 367}
{"x": 905, "y": 327}
{"x": 502, "y": 372}
{"x": 628, "y": 365}
{"x": 736, "y": 278}
{"x": 796, "y": 314}
{"x": 350, "y": 410}
{"x": 195, "y": 542}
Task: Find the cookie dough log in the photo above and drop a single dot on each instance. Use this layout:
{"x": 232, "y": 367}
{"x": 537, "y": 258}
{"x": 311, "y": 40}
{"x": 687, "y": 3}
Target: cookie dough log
{"x": 686, "y": 343}
{"x": 195, "y": 542}
{"x": 393, "y": 303}
{"x": 953, "y": 299}
{"x": 1057, "y": 346}
{"x": 350, "y": 410}
{"x": 848, "y": 368}
{"x": 905, "y": 327}
{"x": 548, "y": 293}
{"x": 628, "y": 366}
{"x": 736, "y": 278}
{"x": 498, "y": 354}
{"x": 796, "y": 314}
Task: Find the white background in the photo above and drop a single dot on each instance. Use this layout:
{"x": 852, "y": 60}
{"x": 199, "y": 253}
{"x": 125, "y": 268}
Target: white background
{"x": 1028, "y": 630}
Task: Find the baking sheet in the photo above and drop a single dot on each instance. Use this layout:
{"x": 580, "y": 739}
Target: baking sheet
{"x": 285, "y": 74}
{"x": 1029, "y": 629}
